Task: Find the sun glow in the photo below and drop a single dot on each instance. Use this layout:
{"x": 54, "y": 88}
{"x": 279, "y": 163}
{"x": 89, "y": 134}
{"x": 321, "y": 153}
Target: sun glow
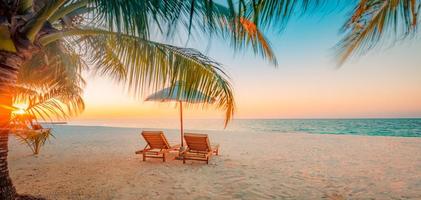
{"x": 20, "y": 109}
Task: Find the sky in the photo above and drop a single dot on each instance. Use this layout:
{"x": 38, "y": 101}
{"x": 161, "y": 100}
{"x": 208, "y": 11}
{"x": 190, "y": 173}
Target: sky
{"x": 384, "y": 83}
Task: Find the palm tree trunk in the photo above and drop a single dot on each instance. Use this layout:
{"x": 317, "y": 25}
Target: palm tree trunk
{"x": 7, "y": 190}
{"x": 9, "y": 66}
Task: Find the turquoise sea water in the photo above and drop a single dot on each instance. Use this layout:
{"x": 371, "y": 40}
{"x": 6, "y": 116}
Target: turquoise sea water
{"x": 374, "y": 127}
{"x": 381, "y": 127}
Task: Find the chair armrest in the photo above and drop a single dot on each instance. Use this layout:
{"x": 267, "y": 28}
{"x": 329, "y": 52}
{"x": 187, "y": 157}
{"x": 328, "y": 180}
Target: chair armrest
{"x": 184, "y": 151}
{"x": 144, "y": 149}
{"x": 175, "y": 147}
{"x": 215, "y": 149}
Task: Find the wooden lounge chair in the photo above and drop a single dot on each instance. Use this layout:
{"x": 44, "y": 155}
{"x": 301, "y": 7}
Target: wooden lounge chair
{"x": 157, "y": 145}
{"x": 198, "y": 148}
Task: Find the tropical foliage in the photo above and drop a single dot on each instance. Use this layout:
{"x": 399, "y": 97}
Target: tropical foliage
{"x": 375, "y": 22}
{"x": 34, "y": 139}
{"x": 51, "y": 84}
{"x": 371, "y": 23}
{"x": 46, "y": 44}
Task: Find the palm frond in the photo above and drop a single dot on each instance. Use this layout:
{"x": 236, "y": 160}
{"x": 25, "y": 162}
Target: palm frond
{"x": 67, "y": 10}
{"x": 277, "y": 13}
{"x": 55, "y": 63}
{"x": 138, "y": 18}
{"x": 58, "y": 102}
{"x": 50, "y": 84}
{"x": 240, "y": 30}
{"x": 129, "y": 17}
{"x": 373, "y": 20}
{"x": 144, "y": 65}
{"x": 34, "y": 139}
{"x": 34, "y": 25}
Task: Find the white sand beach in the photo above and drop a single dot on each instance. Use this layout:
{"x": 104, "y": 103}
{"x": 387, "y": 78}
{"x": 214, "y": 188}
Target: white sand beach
{"x": 99, "y": 163}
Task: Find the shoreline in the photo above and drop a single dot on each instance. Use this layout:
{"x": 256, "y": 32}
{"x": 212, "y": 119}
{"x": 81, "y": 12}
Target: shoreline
{"x": 229, "y": 131}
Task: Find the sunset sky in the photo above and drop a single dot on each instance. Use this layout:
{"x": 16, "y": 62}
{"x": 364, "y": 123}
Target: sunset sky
{"x": 307, "y": 84}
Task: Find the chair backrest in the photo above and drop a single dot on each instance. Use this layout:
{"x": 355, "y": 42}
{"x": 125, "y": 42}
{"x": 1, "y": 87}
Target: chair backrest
{"x": 156, "y": 139}
{"x": 198, "y": 142}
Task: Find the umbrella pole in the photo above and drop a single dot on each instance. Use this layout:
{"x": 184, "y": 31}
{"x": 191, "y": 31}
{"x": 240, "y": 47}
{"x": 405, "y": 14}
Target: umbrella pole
{"x": 181, "y": 124}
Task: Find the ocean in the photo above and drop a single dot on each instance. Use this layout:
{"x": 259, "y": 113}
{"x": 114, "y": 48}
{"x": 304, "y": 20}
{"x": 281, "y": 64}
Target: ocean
{"x": 372, "y": 127}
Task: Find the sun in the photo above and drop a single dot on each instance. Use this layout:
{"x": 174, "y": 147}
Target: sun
{"x": 20, "y": 109}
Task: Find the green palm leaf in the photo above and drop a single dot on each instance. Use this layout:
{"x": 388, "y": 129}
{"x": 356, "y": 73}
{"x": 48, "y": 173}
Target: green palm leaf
{"x": 50, "y": 83}
{"x": 374, "y": 20}
{"x": 138, "y": 18}
{"x": 145, "y": 66}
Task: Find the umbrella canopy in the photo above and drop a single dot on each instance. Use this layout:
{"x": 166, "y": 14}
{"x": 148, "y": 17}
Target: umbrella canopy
{"x": 175, "y": 93}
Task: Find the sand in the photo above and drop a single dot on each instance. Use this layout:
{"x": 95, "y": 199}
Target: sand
{"x": 99, "y": 163}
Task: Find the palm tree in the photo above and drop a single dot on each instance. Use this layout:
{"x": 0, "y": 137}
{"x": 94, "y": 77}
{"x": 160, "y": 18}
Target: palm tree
{"x": 45, "y": 91}
{"x": 111, "y": 38}
{"x": 50, "y": 85}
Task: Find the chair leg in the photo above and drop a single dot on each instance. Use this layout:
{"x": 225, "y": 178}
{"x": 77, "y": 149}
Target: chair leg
{"x": 144, "y": 156}
{"x": 184, "y": 160}
{"x": 163, "y": 157}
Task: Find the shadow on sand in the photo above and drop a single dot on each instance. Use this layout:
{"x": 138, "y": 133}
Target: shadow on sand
{"x": 29, "y": 197}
